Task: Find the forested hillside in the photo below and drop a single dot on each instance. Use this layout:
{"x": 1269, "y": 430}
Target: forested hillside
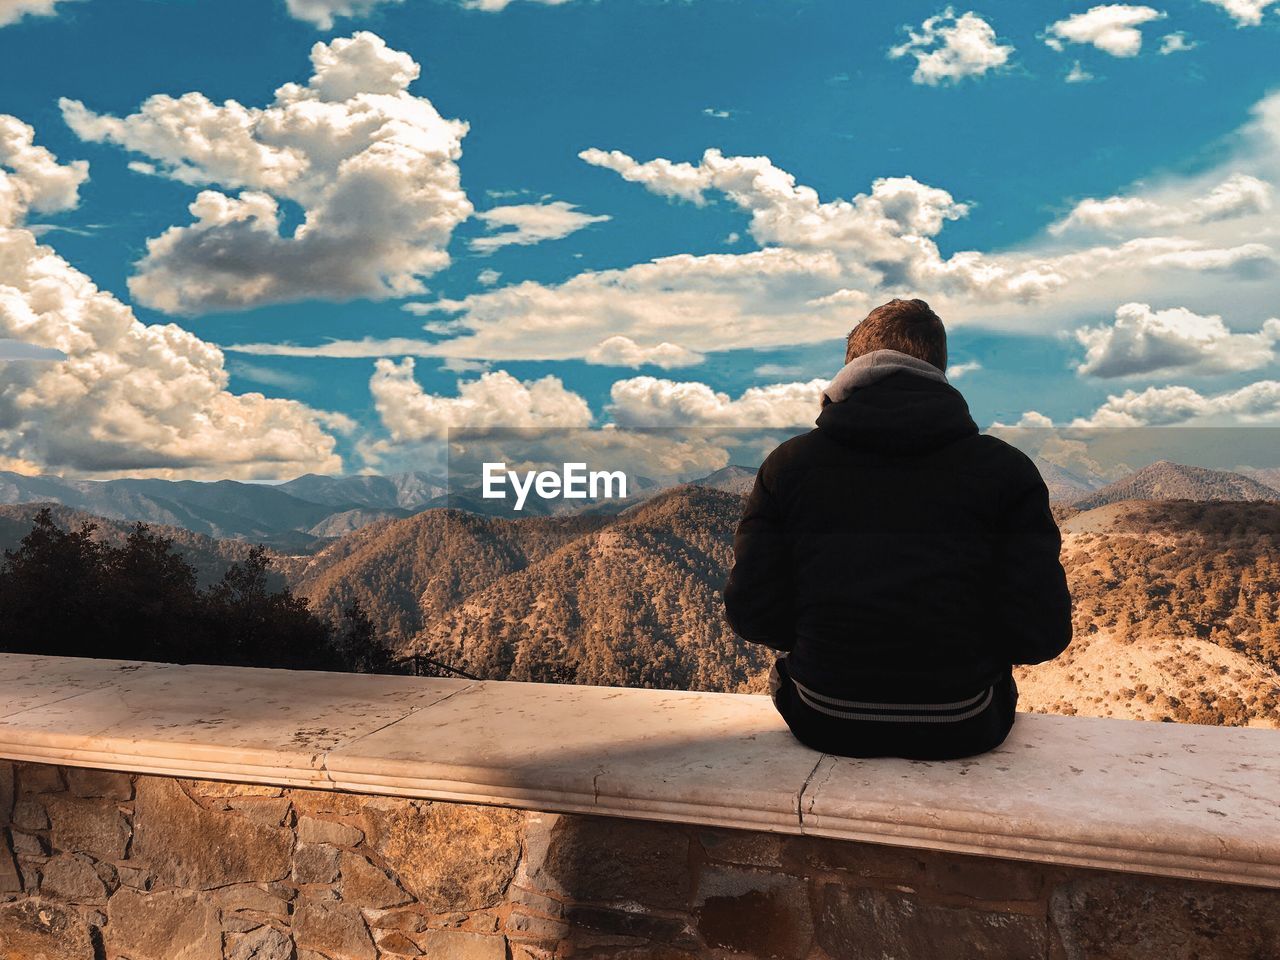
{"x": 406, "y": 573}
{"x": 636, "y": 603}
{"x": 1177, "y": 603}
{"x": 1177, "y": 614}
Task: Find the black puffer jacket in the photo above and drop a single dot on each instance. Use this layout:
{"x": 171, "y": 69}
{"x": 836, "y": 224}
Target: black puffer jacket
{"x": 897, "y": 554}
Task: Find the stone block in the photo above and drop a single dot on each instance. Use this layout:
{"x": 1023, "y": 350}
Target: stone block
{"x": 743, "y": 848}
{"x": 396, "y": 944}
{"x": 461, "y": 945}
{"x": 190, "y": 846}
{"x": 755, "y": 912}
{"x": 134, "y": 876}
{"x": 336, "y": 930}
{"x": 8, "y": 789}
{"x": 265, "y": 943}
{"x": 313, "y": 830}
{"x": 72, "y": 877}
{"x": 162, "y": 925}
{"x": 874, "y": 923}
{"x": 10, "y": 879}
{"x": 529, "y": 951}
{"x": 39, "y": 778}
{"x": 631, "y": 922}
{"x": 27, "y": 844}
{"x": 217, "y": 788}
{"x": 271, "y": 811}
{"x": 951, "y": 874}
{"x": 449, "y": 856}
{"x": 315, "y": 863}
{"x": 602, "y": 859}
{"x": 95, "y": 827}
{"x": 112, "y": 785}
{"x": 1135, "y": 918}
{"x": 405, "y": 921}
{"x": 240, "y": 923}
{"x": 368, "y": 885}
{"x": 322, "y": 804}
{"x": 524, "y": 926}
{"x": 39, "y": 930}
{"x": 29, "y": 814}
{"x": 252, "y": 897}
{"x": 534, "y": 901}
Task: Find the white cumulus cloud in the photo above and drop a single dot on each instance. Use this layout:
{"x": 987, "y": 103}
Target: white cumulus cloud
{"x": 373, "y": 167}
{"x": 128, "y": 397}
{"x": 31, "y": 178}
{"x": 652, "y": 402}
{"x": 947, "y": 48}
{"x": 1145, "y": 341}
{"x": 495, "y": 399}
{"x": 11, "y": 11}
{"x": 1256, "y": 403}
{"x": 524, "y": 224}
{"x": 807, "y": 268}
{"x": 1246, "y": 13}
{"x": 620, "y": 351}
{"x": 1112, "y": 28}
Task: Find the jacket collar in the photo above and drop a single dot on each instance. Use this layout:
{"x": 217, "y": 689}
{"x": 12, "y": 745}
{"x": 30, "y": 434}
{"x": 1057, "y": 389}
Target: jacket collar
{"x": 873, "y": 366}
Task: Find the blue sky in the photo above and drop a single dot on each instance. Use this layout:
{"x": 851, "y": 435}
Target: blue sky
{"x": 1117, "y": 198}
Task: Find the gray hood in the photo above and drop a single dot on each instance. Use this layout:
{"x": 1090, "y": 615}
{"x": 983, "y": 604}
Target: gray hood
{"x": 873, "y": 366}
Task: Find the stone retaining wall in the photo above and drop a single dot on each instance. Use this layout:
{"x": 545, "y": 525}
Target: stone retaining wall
{"x": 100, "y": 866}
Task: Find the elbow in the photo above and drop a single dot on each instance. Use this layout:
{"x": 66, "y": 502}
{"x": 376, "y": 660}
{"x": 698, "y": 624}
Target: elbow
{"x": 751, "y": 623}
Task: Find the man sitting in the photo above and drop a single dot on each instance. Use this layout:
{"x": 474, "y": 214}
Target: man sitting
{"x": 898, "y": 560}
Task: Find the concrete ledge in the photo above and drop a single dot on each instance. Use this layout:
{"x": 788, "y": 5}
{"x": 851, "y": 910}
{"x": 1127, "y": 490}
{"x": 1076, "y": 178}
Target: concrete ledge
{"x": 1162, "y": 799}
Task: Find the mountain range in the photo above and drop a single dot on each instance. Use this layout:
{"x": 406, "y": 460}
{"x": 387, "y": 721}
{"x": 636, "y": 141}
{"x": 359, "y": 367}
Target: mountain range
{"x": 291, "y": 516}
{"x": 303, "y": 514}
{"x": 1177, "y": 602}
{"x": 1163, "y": 480}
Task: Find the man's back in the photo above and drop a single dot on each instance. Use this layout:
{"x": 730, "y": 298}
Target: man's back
{"x": 900, "y": 559}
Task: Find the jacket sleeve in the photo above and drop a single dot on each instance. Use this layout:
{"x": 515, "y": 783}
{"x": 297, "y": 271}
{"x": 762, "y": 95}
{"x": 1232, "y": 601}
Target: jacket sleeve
{"x": 1033, "y": 603}
{"x": 758, "y": 598}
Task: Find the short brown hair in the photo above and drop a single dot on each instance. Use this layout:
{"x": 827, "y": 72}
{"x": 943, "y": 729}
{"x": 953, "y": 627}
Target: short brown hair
{"x": 908, "y": 326}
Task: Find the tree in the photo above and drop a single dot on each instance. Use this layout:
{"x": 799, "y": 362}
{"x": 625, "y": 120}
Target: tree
{"x": 68, "y": 593}
{"x": 51, "y": 591}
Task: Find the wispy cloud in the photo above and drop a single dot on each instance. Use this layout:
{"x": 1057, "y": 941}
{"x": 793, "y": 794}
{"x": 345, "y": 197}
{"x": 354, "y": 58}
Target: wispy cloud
{"x": 525, "y": 224}
{"x": 1177, "y": 42}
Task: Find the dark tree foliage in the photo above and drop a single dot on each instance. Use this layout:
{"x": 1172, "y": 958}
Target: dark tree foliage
{"x": 66, "y": 593}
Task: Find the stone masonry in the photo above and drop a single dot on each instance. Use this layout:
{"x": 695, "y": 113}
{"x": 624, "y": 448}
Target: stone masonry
{"x": 110, "y": 866}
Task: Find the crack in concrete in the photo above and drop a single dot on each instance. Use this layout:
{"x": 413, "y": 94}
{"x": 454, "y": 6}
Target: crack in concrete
{"x": 805, "y": 786}
{"x": 324, "y": 755}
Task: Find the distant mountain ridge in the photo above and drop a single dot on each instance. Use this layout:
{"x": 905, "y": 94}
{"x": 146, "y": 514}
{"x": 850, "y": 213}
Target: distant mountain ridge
{"x": 1065, "y": 486}
{"x": 406, "y": 491}
{"x": 1164, "y": 480}
{"x": 301, "y": 515}
{"x": 731, "y": 479}
{"x": 292, "y": 515}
